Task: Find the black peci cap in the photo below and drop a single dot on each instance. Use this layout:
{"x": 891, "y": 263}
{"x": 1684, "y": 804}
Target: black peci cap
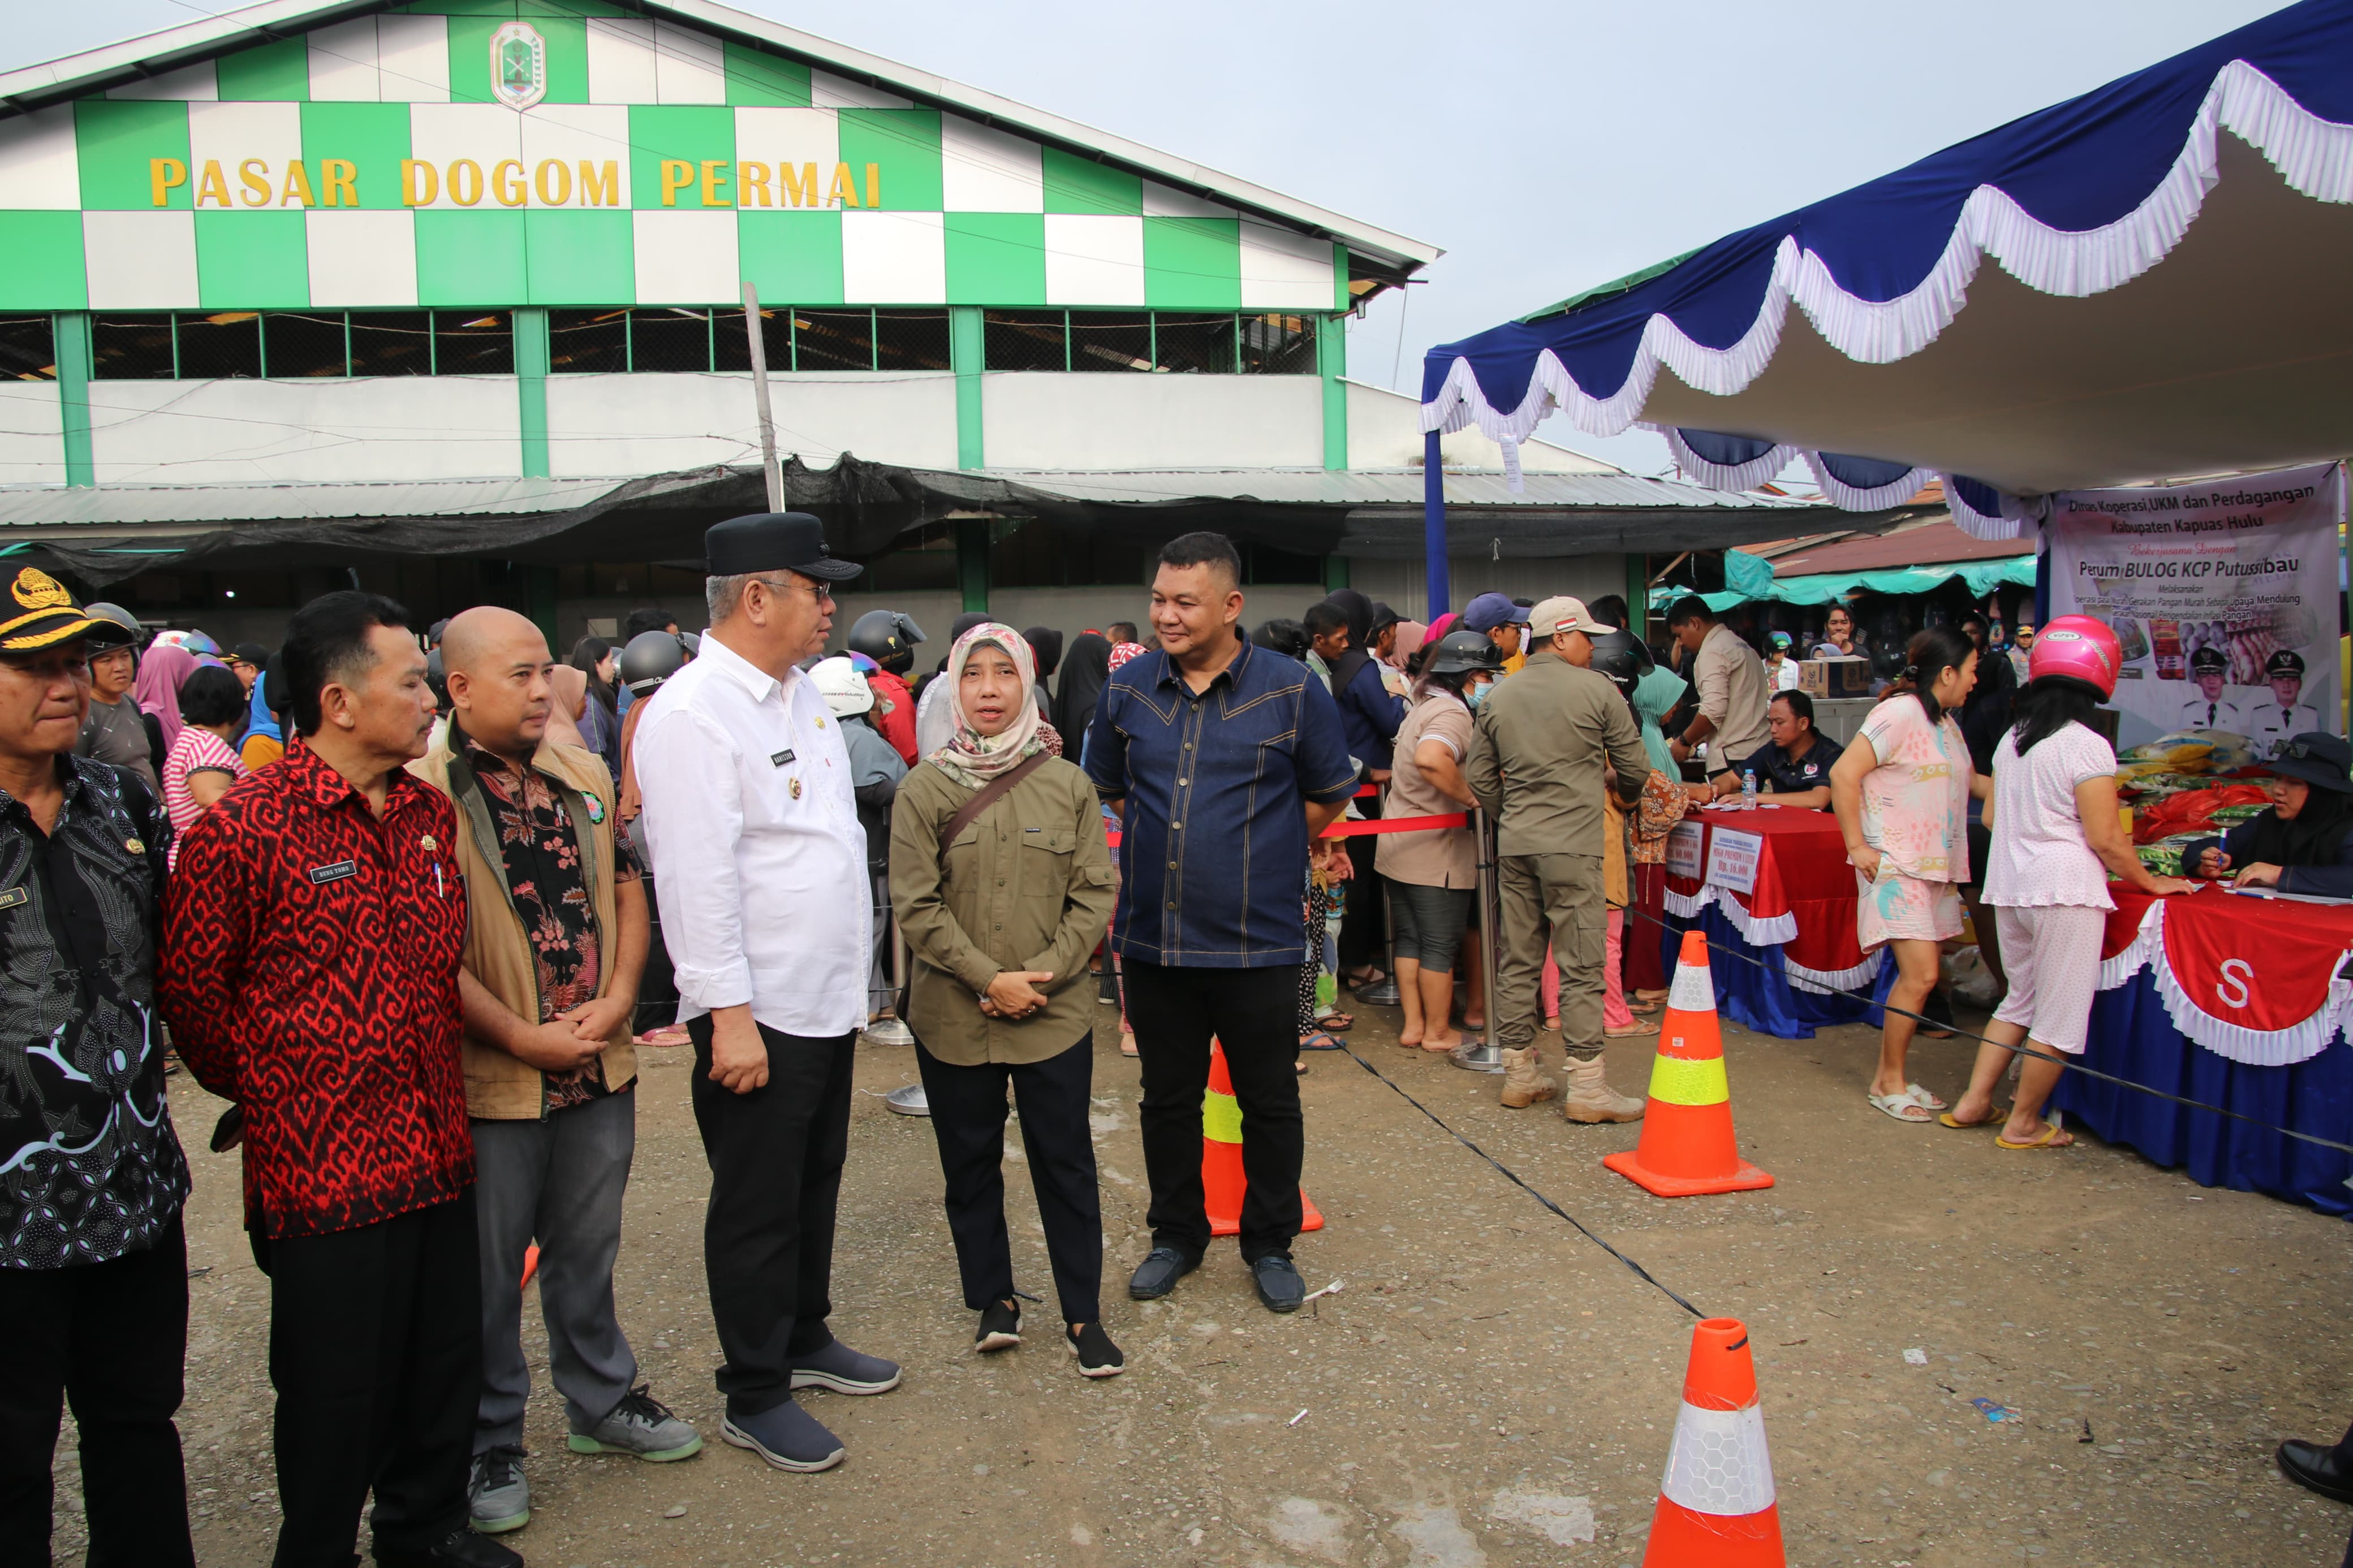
{"x": 774, "y": 542}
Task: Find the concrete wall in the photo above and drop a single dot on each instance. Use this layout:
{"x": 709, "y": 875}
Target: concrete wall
{"x": 1077, "y": 421}
{"x": 396, "y": 427}
{"x": 646, "y": 423}
{"x": 32, "y": 434}
{"x": 1385, "y": 432}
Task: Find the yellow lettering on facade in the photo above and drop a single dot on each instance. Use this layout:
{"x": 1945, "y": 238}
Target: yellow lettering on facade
{"x": 675, "y": 175}
{"x": 465, "y": 182}
{"x": 254, "y": 176}
{"x": 797, "y": 190}
{"x": 163, "y": 174}
{"x": 506, "y": 184}
{"x": 712, "y": 179}
{"x": 751, "y": 184}
{"x": 419, "y": 184}
{"x": 211, "y": 186}
{"x": 297, "y": 185}
{"x": 873, "y": 184}
{"x": 337, "y": 180}
{"x": 845, "y": 188}
{"x": 554, "y": 181}
{"x": 600, "y": 190}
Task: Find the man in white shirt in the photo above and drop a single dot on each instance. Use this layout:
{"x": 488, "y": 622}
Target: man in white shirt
{"x": 760, "y": 870}
{"x": 2287, "y": 715}
{"x": 2210, "y": 668}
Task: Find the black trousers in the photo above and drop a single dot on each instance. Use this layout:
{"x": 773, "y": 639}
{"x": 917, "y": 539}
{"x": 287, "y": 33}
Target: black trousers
{"x": 1364, "y": 927}
{"x": 968, "y": 1120}
{"x": 1254, "y": 1015}
{"x": 658, "y": 983}
{"x": 776, "y": 1157}
{"x": 375, "y": 1350}
{"x": 110, "y": 1337}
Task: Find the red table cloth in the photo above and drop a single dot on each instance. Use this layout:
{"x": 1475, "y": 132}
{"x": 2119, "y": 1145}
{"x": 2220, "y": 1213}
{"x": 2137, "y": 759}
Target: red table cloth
{"x": 2250, "y": 978}
{"x": 1803, "y": 902}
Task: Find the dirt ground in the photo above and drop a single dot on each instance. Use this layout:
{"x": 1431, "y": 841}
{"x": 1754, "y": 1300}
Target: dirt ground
{"x": 1490, "y": 1387}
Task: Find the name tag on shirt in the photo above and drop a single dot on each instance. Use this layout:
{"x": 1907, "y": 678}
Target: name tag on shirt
{"x": 323, "y": 875}
{"x": 781, "y": 758}
{"x": 13, "y": 897}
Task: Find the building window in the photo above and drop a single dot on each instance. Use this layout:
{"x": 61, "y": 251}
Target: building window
{"x": 1184, "y": 343}
{"x": 289, "y": 345}
{"x": 28, "y": 348}
{"x": 681, "y": 338}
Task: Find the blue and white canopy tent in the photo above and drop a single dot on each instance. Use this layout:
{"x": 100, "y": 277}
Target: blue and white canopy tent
{"x": 2169, "y": 298}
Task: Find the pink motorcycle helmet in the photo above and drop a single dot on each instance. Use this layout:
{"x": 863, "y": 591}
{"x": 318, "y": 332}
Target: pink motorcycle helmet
{"x": 2079, "y": 646}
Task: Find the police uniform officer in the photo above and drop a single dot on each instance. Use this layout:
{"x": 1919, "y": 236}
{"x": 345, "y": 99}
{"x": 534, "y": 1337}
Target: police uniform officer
{"x": 2276, "y": 721}
{"x": 2210, "y": 667}
{"x": 1538, "y": 748}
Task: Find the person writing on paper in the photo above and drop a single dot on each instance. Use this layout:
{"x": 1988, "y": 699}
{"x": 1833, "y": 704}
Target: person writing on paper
{"x": 1902, "y": 791}
{"x": 2055, "y": 838}
{"x": 1795, "y": 767}
{"x": 2303, "y": 844}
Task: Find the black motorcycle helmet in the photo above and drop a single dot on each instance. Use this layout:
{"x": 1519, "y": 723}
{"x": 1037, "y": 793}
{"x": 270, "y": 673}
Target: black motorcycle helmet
{"x": 1459, "y": 653}
{"x": 436, "y": 680}
{"x": 887, "y": 637}
{"x": 116, "y": 628}
{"x": 651, "y": 658}
{"x": 1621, "y": 656}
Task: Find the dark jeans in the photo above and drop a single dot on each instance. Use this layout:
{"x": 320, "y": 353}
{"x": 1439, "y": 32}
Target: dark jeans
{"x": 375, "y": 1350}
{"x": 968, "y": 1120}
{"x": 776, "y": 1157}
{"x": 1253, "y": 1014}
{"x": 110, "y": 1337}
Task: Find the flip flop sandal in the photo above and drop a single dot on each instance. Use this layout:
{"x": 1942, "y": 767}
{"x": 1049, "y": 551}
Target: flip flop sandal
{"x": 1331, "y": 1042}
{"x": 1365, "y": 979}
{"x": 1895, "y": 1105}
{"x": 1924, "y": 1100}
{"x": 1994, "y": 1118}
{"x": 1128, "y": 1046}
{"x": 2048, "y": 1140}
{"x": 1338, "y": 1023}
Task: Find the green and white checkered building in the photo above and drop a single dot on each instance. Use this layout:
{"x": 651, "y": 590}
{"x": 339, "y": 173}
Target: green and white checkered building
{"x": 310, "y": 252}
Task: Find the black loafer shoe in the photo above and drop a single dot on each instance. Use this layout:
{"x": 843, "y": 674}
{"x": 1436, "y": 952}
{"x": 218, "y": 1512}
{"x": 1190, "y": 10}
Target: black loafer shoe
{"x": 461, "y": 1549}
{"x": 1278, "y": 1284}
{"x": 1158, "y": 1273}
{"x": 2311, "y": 1466}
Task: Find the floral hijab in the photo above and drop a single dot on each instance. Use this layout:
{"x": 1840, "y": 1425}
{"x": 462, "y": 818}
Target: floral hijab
{"x": 969, "y": 757}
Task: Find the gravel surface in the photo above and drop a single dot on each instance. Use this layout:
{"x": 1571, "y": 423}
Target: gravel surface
{"x": 1490, "y": 1387}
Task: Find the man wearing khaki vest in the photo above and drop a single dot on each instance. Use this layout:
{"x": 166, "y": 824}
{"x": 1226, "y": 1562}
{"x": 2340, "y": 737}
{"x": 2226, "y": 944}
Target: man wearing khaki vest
{"x": 555, "y": 940}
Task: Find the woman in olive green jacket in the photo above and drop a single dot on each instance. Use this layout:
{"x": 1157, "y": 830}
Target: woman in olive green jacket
{"x": 1000, "y": 919}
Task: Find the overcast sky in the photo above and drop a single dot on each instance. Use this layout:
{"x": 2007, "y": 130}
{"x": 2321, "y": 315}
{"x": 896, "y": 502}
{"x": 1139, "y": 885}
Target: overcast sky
{"x": 1545, "y": 147}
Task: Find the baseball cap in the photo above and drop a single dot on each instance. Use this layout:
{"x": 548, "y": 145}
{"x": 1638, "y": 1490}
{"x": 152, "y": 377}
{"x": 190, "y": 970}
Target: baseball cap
{"x": 1488, "y": 611}
{"x": 40, "y": 612}
{"x": 1563, "y": 614}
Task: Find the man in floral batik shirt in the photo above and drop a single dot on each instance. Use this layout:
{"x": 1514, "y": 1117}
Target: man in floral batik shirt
{"x": 554, "y": 953}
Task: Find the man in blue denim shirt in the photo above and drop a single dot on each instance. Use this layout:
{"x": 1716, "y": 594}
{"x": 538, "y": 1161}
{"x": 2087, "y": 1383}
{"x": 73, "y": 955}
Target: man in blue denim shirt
{"x": 1224, "y": 762}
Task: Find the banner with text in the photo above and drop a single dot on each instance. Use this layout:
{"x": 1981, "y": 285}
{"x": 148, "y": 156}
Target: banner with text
{"x": 2225, "y": 594}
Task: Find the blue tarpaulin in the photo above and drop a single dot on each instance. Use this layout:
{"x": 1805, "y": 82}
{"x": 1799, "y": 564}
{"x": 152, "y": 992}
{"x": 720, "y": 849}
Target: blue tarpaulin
{"x": 2206, "y": 192}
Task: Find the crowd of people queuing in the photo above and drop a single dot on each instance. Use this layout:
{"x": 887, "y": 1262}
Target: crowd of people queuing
{"x": 413, "y": 901}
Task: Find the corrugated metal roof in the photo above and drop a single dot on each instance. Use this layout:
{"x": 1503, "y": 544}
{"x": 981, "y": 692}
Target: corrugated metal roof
{"x": 147, "y": 506}
{"x": 1389, "y": 488}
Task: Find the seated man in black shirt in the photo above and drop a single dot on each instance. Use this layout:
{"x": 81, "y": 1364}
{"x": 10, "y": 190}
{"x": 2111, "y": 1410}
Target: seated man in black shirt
{"x": 1795, "y": 767}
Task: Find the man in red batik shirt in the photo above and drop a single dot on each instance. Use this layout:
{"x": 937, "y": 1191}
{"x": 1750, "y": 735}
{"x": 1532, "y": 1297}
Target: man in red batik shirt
{"x": 312, "y": 932}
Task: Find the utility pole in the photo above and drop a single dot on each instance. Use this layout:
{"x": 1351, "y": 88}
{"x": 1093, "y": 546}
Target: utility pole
{"x": 768, "y": 464}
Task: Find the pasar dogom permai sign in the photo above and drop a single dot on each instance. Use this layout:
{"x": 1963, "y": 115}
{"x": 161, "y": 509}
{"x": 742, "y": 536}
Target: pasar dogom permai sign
{"x": 508, "y": 183}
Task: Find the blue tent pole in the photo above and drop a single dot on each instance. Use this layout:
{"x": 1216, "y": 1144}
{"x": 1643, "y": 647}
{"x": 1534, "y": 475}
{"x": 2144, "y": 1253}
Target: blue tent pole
{"x": 2043, "y": 573}
{"x": 1433, "y": 526}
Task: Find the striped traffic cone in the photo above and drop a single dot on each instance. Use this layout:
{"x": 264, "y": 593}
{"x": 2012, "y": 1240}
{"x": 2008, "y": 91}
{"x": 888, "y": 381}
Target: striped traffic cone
{"x": 1716, "y": 1507}
{"x": 1687, "y": 1146}
{"x": 1222, "y": 1182}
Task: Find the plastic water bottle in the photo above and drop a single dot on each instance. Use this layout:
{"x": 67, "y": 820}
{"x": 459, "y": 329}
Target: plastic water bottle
{"x": 1748, "y": 789}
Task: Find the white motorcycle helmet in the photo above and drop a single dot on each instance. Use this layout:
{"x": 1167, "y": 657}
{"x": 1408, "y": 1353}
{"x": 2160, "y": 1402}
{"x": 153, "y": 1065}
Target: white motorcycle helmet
{"x": 842, "y": 686}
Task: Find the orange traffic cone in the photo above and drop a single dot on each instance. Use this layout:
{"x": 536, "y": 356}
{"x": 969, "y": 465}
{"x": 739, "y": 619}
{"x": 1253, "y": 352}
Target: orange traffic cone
{"x": 1222, "y": 1182}
{"x": 1687, "y": 1147}
{"x": 1716, "y": 1505}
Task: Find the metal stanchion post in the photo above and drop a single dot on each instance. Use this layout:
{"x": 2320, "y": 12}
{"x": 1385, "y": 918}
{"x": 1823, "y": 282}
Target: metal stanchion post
{"x": 1385, "y": 995}
{"x": 1486, "y": 1056}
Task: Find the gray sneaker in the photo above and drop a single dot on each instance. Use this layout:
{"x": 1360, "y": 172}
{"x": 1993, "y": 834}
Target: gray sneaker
{"x": 498, "y": 1498}
{"x": 642, "y": 1425}
{"x": 844, "y": 1371}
